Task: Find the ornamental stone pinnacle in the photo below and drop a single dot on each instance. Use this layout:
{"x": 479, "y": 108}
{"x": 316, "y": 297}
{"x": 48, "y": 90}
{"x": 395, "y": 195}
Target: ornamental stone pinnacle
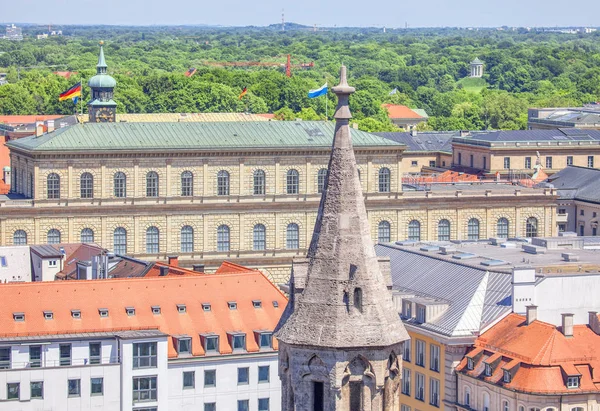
{"x": 340, "y": 324}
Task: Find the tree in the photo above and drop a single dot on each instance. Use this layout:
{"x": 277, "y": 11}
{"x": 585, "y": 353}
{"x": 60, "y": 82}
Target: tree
{"x": 285, "y": 114}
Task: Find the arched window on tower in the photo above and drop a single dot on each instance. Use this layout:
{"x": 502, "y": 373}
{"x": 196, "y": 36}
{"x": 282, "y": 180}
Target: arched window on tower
{"x": 473, "y": 229}
{"x": 259, "y": 182}
{"x": 53, "y": 236}
{"x": 383, "y": 232}
{"x": 292, "y": 237}
{"x": 187, "y": 239}
{"x": 259, "y": 238}
{"x": 502, "y": 228}
{"x": 321, "y": 175}
{"x": 187, "y": 184}
{"x": 444, "y": 230}
{"x": 120, "y": 241}
{"x": 53, "y": 186}
{"x": 414, "y": 230}
{"x": 531, "y": 228}
{"x": 293, "y": 182}
{"x": 152, "y": 184}
{"x": 86, "y": 185}
{"x": 223, "y": 238}
{"x": 152, "y": 240}
{"x": 20, "y": 237}
{"x": 87, "y": 235}
{"x": 120, "y": 184}
{"x": 223, "y": 183}
{"x": 384, "y": 180}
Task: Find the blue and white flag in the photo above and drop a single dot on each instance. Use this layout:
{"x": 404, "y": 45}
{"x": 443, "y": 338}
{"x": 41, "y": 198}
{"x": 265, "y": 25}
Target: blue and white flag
{"x": 318, "y": 92}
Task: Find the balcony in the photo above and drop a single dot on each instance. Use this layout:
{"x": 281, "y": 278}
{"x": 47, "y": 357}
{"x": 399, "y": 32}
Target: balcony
{"x": 79, "y": 362}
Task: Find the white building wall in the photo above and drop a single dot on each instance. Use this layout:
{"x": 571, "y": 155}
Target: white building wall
{"x": 43, "y": 270}
{"x": 18, "y": 264}
{"x": 226, "y": 392}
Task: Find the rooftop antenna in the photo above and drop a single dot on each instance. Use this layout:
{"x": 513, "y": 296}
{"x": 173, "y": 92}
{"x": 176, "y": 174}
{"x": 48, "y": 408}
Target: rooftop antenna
{"x": 282, "y": 20}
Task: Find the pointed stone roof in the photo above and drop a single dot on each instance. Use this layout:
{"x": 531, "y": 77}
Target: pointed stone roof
{"x": 477, "y": 62}
{"x": 345, "y": 303}
{"x": 101, "y": 66}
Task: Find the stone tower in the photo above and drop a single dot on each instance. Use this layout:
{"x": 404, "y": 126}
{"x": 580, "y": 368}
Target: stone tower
{"x": 340, "y": 337}
{"x": 476, "y": 68}
{"x": 101, "y": 107}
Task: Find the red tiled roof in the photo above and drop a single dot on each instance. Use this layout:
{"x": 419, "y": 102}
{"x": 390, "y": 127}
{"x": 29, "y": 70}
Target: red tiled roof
{"x": 28, "y": 119}
{"x": 546, "y": 356}
{"x": 61, "y": 297}
{"x": 66, "y": 74}
{"x": 400, "y": 111}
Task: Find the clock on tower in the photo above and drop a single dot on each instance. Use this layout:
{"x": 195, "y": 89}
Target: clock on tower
{"x": 101, "y": 107}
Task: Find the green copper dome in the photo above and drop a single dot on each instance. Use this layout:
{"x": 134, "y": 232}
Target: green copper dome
{"x": 101, "y": 79}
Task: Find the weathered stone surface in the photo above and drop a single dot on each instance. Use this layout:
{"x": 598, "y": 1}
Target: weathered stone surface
{"x": 340, "y": 337}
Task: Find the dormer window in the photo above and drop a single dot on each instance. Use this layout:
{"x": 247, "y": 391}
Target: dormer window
{"x": 184, "y": 345}
{"x": 156, "y": 309}
{"x": 257, "y": 303}
{"x": 421, "y": 314}
{"x": 572, "y": 382}
{"x": 238, "y": 341}
{"x": 406, "y": 309}
{"x": 103, "y": 312}
{"x": 206, "y": 306}
{"x": 181, "y": 308}
{"x": 470, "y": 364}
{"x": 19, "y": 316}
{"x": 488, "y": 370}
{"x": 130, "y": 311}
{"x": 276, "y": 304}
{"x": 48, "y": 315}
{"x": 506, "y": 376}
{"x": 232, "y": 305}
{"x": 211, "y": 343}
{"x": 264, "y": 339}
{"x": 76, "y": 314}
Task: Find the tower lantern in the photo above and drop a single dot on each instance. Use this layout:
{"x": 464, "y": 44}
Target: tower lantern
{"x": 101, "y": 107}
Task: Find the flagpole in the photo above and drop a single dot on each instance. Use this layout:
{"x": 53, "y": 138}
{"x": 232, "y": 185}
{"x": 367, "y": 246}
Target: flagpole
{"x": 326, "y": 111}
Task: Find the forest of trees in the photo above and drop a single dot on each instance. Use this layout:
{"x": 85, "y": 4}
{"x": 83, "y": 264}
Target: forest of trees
{"x": 427, "y": 67}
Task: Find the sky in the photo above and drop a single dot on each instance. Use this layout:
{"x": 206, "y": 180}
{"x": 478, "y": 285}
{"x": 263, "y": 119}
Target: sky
{"x": 327, "y": 13}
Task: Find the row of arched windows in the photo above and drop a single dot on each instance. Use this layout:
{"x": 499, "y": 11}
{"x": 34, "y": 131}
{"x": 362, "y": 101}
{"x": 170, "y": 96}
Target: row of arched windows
{"x": 86, "y": 183}
{"x": 444, "y": 226}
{"x": 259, "y": 236}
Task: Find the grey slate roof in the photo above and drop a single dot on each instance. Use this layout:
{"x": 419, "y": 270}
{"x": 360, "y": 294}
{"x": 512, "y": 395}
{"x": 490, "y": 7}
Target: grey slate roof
{"x": 563, "y": 134}
{"x": 577, "y": 183}
{"x": 423, "y": 142}
{"x": 46, "y": 251}
{"x": 189, "y": 136}
{"x": 476, "y": 297}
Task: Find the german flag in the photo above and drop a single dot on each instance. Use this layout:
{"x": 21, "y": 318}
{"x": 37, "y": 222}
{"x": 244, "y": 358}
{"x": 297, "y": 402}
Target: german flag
{"x": 243, "y": 93}
{"x": 71, "y": 93}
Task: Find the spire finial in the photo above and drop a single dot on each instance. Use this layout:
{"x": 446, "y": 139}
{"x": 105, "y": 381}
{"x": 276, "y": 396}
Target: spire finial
{"x": 101, "y": 66}
{"x": 343, "y": 91}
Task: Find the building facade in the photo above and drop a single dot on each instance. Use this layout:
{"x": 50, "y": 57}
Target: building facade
{"x": 187, "y": 342}
{"x": 476, "y": 68}
{"x": 211, "y": 201}
{"x": 517, "y": 151}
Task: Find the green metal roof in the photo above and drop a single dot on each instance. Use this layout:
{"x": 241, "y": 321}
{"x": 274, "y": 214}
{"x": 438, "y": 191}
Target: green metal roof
{"x": 193, "y": 136}
{"x": 102, "y": 81}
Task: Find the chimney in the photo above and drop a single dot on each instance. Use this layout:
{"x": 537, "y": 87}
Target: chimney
{"x": 39, "y": 128}
{"x": 594, "y": 322}
{"x": 173, "y": 260}
{"x": 50, "y": 125}
{"x": 531, "y": 313}
{"x": 414, "y": 132}
{"x": 6, "y": 174}
{"x": 198, "y": 268}
{"x": 463, "y": 133}
{"x": 164, "y": 270}
{"x": 567, "y": 325}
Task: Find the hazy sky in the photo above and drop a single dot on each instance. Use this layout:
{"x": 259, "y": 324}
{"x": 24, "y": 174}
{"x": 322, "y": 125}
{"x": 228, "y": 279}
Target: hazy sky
{"x": 389, "y": 13}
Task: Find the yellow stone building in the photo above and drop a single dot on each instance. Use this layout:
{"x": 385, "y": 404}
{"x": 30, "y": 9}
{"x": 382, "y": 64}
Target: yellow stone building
{"x": 247, "y": 191}
{"x": 518, "y": 150}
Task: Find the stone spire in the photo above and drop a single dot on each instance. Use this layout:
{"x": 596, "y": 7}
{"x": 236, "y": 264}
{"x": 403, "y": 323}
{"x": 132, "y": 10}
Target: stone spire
{"x": 345, "y": 302}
